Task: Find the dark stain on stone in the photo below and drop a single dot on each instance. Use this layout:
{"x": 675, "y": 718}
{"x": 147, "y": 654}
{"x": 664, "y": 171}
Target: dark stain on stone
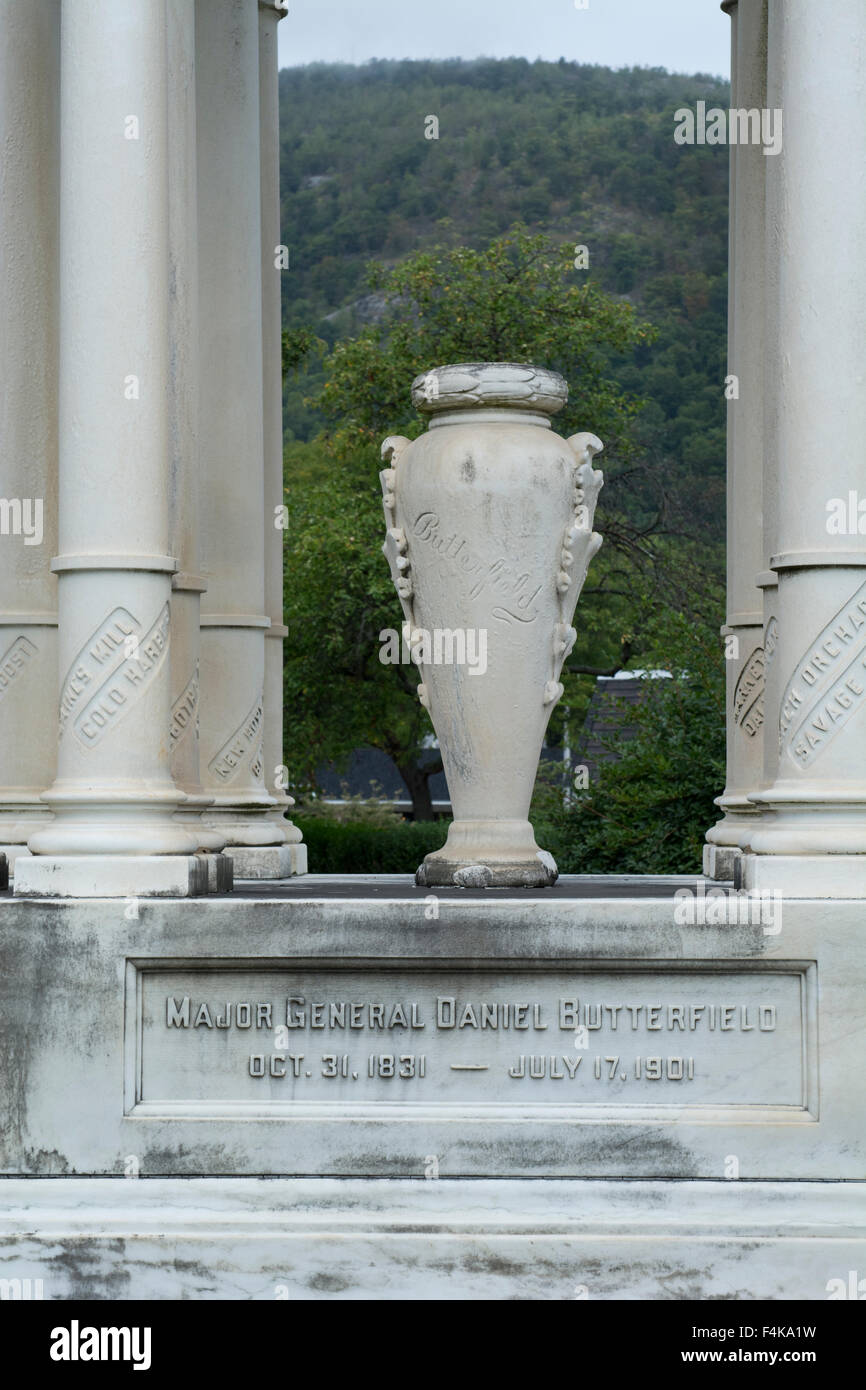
{"x": 46, "y": 1163}
{"x": 328, "y": 1283}
{"x": 88, "y": 1273}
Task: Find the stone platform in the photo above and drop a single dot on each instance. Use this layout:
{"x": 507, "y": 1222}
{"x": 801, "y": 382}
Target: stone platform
{"x": 452, "y": 1240}
{"x": 352, "y": 1079}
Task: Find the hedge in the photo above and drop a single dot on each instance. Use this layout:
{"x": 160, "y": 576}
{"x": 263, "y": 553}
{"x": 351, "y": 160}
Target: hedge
{"x": 355, "y": 848}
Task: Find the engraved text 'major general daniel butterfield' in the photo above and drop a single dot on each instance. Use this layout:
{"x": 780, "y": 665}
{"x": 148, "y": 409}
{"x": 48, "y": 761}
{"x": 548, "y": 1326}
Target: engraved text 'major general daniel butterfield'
{"x": 448, "y": 1012}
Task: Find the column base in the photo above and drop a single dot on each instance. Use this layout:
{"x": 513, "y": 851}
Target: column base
{"x": 112, "y": 876}
{"x": 19, "y": 822}
{"x": 267, "y": 861}
{"x": 730, "y": 837}
{"x": 206, "y": 839}
{"x": 720, "y": 861}
{"x": 488, "y": 854}
{"x": 803, "y": 875}
{"x": 220, "y": 872}
{"x": 439, "y": 872}
{"x": 13, "y": 852}
{"x": 289, "y": 834}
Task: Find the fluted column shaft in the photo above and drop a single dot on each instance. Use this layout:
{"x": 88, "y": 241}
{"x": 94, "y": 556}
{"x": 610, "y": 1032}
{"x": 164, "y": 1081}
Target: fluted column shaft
{"x": 743, "y": 631}
{"x": 234, "y": 620}
{"x": 815, "y": 841}
{"x": 187, "y": 583}
{"x": 270, "y": 14}
{"x": 114, "y": 794}
{"x": 29, "y": 214}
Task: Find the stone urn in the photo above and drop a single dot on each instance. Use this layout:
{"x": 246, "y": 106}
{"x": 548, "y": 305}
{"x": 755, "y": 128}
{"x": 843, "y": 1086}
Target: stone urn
{"x": 489, "y": 536}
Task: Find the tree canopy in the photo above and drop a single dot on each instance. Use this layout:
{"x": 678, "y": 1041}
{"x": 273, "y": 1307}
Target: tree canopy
{"x": 578, "y": 236}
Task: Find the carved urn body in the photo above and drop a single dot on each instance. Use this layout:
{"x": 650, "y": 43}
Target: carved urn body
{"x": 489, "y": 536}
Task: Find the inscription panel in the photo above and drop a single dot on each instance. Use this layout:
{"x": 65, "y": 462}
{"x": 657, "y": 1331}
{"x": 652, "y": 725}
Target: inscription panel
{"x": 828, "y": 687}
{"x": 14, "y": 660}
{"x": 304, "y": 1040}
{"x": 113, "y": 669}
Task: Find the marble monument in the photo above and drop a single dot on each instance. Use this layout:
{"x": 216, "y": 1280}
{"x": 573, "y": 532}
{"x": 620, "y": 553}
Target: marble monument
{"x": 489, "y": 535}
{"x": 372, "y": 1088}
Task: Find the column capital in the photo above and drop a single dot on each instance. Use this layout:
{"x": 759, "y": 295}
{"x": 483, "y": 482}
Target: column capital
{"x": 279, "y": 7}
{"x": 728, "y": 5}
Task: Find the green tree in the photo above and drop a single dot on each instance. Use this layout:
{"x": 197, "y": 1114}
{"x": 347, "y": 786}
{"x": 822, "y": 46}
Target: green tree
{"x": 648, "y": 810}
{"x": 518, "y": 299}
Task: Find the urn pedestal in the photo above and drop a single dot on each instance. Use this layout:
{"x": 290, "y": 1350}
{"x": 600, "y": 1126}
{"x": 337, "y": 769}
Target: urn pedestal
{"x": 489, "y": 536}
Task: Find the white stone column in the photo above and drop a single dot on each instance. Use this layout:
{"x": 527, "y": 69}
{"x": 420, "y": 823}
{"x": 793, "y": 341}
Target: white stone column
{"x": 774, "y": 365}
{"x": 743, "y": 630}
{"x": 234, "y": 621}
{"x": 29, "y": 212}
{"x": 114, "y": 799}
{"x": 814, "y": 843}
{"x": 270, "y": 14}
{"x": 187, "y": 583}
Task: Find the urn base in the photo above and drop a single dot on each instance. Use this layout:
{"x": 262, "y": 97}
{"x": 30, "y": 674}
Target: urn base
{"x": 488, "y": 854}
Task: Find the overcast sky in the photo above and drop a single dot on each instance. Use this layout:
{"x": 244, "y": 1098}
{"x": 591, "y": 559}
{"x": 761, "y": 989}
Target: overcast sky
{"x": 681, "y": 35}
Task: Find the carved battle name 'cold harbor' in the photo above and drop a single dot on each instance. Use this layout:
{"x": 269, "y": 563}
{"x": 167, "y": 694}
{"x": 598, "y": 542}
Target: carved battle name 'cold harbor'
{"x": 489, "y": 529}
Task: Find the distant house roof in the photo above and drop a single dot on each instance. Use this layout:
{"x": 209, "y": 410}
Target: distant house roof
{"x": 608, "y": 714}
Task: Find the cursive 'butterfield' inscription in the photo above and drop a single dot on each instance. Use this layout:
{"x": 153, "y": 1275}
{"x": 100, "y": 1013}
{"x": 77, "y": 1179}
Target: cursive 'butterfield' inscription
{"x": 517, "y": 591}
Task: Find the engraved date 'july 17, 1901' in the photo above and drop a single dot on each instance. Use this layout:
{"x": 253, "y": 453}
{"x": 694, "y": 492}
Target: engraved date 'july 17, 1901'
{"x": 275, "y": 1028}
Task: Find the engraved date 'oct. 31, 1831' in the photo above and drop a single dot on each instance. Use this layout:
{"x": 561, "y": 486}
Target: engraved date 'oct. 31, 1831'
{"x": 640, "y": 1032}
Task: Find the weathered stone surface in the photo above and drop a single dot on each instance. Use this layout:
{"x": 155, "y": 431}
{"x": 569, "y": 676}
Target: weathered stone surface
{"x": 720, "y": 861}
{"x": 715, "y": 1029}
{"x": 268, "y": 861}
{"x": 220, "y": 872}
{"x": 447, "y": 1240}
{"x": 113, "y": 876}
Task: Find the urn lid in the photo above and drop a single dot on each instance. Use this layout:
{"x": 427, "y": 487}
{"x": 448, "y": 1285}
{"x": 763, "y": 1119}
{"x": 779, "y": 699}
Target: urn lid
{"x": 470, "y": 385}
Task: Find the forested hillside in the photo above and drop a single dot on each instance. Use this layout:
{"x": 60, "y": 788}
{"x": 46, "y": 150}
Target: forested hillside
{"x": 407, "y": 252}
{"x": 584, "y": 153}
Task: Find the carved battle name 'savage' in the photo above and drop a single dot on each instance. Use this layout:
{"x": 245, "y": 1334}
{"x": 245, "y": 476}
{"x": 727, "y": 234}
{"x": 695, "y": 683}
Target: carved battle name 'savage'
{"x": 828, "y": 686}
